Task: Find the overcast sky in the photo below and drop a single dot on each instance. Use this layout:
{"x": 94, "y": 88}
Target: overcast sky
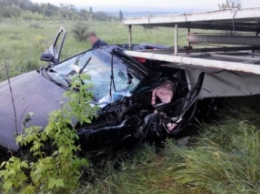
{"x": 150, "y": 4}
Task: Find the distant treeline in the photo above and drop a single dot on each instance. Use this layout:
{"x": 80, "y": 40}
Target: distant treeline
{"x": 25, "y": 9}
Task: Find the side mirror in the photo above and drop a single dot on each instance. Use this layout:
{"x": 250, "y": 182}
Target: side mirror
{"x": 48, "y": 57}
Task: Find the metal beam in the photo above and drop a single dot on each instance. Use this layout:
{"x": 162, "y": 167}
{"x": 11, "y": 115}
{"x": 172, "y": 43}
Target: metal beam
{"x": 231, "y": 40}
{"x": 243, "y": 58}
{"x": 170, "y": 50}
{"x": 176, "y": 37}
{"x": 252, "y": 14}
{"x": 130, "y": 37}
{"x": 239, "y": 27}
{"x": 199, "y": 62}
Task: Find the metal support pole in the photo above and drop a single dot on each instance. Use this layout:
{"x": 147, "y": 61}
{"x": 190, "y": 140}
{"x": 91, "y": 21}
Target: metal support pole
{"x": 189, "y": 44}
{"x": 176, "y": 37}
{"x": 130, "y": 37}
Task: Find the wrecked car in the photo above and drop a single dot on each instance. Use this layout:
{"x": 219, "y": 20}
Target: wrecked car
{"x": 135, "y": 101}
{"x": 138, "y": 98}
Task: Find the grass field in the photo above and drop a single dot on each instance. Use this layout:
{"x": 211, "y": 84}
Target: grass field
{"x": 224, "y": 158}
{"x": 24, "y": 41}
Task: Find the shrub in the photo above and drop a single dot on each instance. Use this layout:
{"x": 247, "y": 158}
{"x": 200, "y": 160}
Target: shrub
{"x": 59, "y": 169}
{"x": 223, "y": 159}
{"x": 230, "y": 4}
{"x": 80, "y": 31}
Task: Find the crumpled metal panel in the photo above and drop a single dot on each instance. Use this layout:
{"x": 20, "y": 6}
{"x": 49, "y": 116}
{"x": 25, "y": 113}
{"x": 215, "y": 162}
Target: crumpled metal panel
{"x": 32, "y": 93}
{"x": 226, "y": 84}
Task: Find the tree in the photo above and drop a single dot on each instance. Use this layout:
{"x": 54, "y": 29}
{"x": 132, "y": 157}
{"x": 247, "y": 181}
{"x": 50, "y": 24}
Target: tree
{"x": 80, "y": 31}
{"x": 26, "y": 9}
{"x": 121, "y": 15}
{"x": 90, "y": 13}
{"x": 83, "y": 13}
{"x": 230, "y": 4}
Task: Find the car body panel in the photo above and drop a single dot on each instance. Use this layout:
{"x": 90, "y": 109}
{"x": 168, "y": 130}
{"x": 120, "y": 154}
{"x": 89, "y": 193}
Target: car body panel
{"x": 32, "y": 93}
{"x": 226, "y": 84}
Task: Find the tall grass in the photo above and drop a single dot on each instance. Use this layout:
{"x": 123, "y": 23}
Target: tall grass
{"x": 223, "y": 158}
{"x": 223, "y": 166}
{"x": 24, "y": 41}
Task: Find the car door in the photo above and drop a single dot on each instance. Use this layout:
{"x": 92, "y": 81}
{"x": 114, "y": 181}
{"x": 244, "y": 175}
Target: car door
{"x": 52, "y": 55}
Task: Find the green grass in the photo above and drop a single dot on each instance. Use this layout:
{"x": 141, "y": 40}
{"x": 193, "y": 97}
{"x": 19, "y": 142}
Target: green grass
{"x": 223, "y": 159}
{"x": 24, "y": 41}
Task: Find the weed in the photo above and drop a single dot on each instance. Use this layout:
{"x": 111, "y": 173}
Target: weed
{"x": 60, "y": 170}
{"x": 224, "y": 158}
{"x": 80, "y": 31}
{"x": 35, "y": 25}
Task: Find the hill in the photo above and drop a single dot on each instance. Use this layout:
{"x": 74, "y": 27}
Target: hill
{"x": 28, "y": 10}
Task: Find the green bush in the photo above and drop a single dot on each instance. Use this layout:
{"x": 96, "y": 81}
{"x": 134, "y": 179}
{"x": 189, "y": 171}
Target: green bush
{"x": 80, "y": 31}
{"x": 59, "y": 169}
{"x": 224, "y": 158}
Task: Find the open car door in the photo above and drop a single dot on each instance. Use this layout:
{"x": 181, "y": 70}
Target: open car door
{"x": 52, "y": 55}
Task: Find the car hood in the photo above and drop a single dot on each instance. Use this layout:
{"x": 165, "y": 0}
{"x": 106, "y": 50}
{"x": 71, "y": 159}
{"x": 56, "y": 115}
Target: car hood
{"x": 32, "y": 93}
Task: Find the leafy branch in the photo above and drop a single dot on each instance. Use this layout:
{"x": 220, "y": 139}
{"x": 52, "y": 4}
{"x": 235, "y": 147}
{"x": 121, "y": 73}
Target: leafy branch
{"x": 60, "y": 169}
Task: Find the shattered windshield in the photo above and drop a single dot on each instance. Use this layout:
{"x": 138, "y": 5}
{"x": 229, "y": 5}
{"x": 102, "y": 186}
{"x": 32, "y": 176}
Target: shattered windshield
{"x": 99, "y": 68}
